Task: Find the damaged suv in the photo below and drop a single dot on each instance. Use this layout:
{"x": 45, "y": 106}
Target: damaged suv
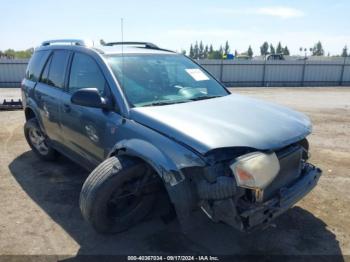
{"x": 147, "y": 120}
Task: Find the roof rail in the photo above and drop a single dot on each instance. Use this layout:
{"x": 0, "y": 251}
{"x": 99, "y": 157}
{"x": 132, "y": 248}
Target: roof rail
{"x": 68, "y": 41}
{"x": 145, "y": 44}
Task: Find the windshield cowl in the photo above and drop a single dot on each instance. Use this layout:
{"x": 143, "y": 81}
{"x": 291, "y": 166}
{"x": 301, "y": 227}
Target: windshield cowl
{"x": 171, "y": 102}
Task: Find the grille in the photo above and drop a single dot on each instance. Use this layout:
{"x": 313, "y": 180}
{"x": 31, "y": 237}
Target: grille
{"x": 290, "y": 163}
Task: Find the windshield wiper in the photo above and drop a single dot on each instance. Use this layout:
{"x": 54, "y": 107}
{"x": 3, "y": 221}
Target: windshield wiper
{"x": 203, "y": 98}
{"x": 163, "y": 103}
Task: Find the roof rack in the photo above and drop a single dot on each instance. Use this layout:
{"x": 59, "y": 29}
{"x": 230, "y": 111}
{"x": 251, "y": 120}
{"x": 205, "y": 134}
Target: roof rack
{"x": 68, "y": 41}
{"x": 145, "y": 44}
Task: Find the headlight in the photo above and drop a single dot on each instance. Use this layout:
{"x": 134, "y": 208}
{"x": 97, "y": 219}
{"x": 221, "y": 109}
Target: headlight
{"x": 255, "y": 170}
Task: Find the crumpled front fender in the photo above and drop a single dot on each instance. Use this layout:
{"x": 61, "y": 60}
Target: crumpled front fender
{"x": 167, "y": 157}
{"x": 163, "y": 161}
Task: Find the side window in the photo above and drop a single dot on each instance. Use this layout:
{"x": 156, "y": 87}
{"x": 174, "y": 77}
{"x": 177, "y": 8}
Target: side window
{"x": 35, "y": 65}
{"x": 56, "y": 69}
{"x": 85, "y": 73}
{"x": 45, "y": 73}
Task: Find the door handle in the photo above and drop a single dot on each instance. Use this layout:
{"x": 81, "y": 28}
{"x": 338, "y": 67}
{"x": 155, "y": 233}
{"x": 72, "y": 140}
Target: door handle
{"x": 66, "y": 108}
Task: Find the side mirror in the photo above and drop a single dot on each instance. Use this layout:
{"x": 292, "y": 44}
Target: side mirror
{"x": 89, "y": 97}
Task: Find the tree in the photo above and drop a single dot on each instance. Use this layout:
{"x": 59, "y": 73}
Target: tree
{"x": 345, "y": 52}
{"x": 102, "y": 42}
{"x": 196, "y": 51}
{"x": 211, "y": 49}
{"x": 317, "y": 50}
{"x": 285, "y": 51}
{"x": 206, "y": 51}
{"x": 250, "y": 52}
{"x": 10, "y": 53}
{"x": 201, "y": 50}
{"x": 221, "y": 50}
{"x": 227, "y": 48}
{"x": 236, "y": 53}
{"x": 217, "y": 54}
{"x": 20, "y": 54}
{"x": 272, "y": 50}
{"x": 191, "y": 51}
{"x": 264, "y": 49}
{"x": 23, "y": 54}
{"x": 279, "y": 48}
{"x": 183, "y": 52}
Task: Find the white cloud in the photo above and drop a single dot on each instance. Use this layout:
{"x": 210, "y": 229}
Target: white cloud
{"x": 276, "y": 11}
{"x": 282, "y": 12}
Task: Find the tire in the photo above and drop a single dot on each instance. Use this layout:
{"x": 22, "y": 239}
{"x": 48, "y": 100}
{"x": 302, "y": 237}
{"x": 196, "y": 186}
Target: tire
{"x": 102, "y": 201}
{"x": 37, "y": 140}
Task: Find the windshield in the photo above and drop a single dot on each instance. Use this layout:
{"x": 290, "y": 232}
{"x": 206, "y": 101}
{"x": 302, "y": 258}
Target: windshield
{"x": 158, "y": 79}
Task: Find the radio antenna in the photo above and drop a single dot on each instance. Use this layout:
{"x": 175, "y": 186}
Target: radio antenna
{"x": 122, "y": 33}
{"x": 122, "y": 30}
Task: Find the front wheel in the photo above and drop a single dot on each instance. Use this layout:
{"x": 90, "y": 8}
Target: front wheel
{"x": 38, "y": 141}
{"x": 118, "y": 194}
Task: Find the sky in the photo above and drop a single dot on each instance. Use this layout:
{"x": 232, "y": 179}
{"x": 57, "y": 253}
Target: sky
{"x": 177, "y": 24}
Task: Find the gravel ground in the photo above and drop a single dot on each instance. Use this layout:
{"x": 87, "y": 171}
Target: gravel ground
{"x": 39, "y": 213}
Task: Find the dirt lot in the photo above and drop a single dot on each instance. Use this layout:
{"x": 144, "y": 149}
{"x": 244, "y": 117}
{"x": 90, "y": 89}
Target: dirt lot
{"x": 39, "y": 211}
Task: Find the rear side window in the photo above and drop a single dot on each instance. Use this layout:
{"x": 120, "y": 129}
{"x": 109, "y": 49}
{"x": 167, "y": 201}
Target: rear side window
{"x": 55, "y": 69}
{"x": 85, "y": 73}
{"x": 45, "y": 73}
{"x": 36, "y": 64}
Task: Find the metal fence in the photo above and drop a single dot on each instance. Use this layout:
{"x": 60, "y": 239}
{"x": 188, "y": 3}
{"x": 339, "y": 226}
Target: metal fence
{"x": 331, "y": 72}
{"x": 12, "y": 72}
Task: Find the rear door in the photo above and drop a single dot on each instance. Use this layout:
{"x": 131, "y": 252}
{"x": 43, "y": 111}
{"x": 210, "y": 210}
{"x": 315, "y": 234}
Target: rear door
{"x": 32, "y": 76}
{"x": 48, "y": 93}
{"x": 90, "y": 132}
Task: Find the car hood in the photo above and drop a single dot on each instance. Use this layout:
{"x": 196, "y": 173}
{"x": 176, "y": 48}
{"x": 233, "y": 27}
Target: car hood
{"x": 229, "y": 121}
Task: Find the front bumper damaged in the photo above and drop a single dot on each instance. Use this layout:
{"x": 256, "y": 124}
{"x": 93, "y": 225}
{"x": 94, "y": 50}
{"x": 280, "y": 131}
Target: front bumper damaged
{"x": 259, "y": 215}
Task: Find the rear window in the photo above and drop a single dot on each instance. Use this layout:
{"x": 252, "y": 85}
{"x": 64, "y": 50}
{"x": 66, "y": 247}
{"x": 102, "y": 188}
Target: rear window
{"x": 35, "y": 65}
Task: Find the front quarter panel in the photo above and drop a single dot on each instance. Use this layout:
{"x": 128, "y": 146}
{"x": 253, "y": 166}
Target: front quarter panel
{"x": 161, "y": 152}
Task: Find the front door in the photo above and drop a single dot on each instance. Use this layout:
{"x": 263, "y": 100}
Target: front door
{"x": 90, "y": 132}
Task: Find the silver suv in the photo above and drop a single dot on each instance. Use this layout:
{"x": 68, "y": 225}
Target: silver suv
{"x": 151, "y": 124}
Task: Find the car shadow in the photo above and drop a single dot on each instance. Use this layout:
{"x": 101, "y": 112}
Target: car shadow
{"x": 55, "y": 187}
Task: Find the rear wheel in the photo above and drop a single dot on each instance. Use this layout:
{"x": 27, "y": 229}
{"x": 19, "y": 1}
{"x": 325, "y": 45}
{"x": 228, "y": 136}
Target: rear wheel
{"x": 37, "y": 140}
{"x": 118, "y": 194}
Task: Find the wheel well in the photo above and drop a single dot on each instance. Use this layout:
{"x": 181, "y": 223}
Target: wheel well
{"x": 141, "y": 160}
{"x": 29, "y": 113}
{"x": 164, "y": 207}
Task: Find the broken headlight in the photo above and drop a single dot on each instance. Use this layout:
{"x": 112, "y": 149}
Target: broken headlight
{"x": 255, "y": 170}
